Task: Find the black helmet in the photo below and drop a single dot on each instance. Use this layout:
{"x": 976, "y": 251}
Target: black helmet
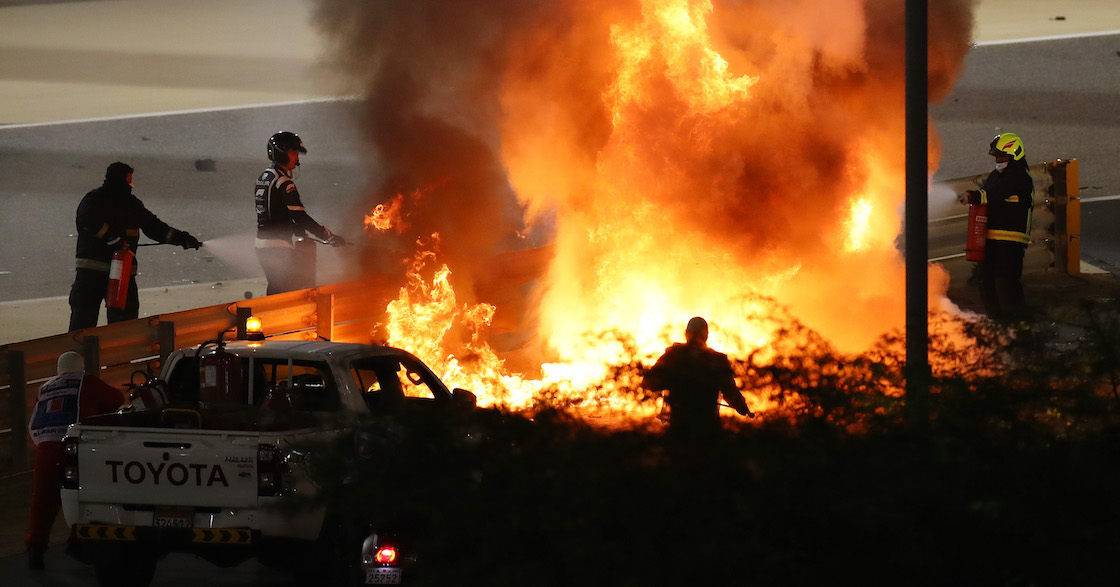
{"x": 280, "y": 143}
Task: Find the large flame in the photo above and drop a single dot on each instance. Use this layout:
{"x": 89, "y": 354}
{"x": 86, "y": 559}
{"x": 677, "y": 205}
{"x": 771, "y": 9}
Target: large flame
{"x": 681, "y": 158}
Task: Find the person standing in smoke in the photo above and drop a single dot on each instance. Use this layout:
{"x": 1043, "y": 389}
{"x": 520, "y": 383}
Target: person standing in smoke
{"x": 281, "y": 216}
{"x": 1009, "y": 194}
{"x": 695, "y": 376}
{"x": 110, "y": 219}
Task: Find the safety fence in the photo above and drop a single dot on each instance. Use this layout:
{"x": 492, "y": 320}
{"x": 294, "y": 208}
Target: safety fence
{"x": 345, "y": 312}
{"x": 348, "y": 312}
{"x": 1055, "y": 227}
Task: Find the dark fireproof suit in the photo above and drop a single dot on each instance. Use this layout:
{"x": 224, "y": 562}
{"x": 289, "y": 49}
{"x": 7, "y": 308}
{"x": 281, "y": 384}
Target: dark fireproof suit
{"x": 694, "y": 376}
{"x": 106, "y": 218}
{"x": 280, "y": 217}
{"x": 1009, "y": 196}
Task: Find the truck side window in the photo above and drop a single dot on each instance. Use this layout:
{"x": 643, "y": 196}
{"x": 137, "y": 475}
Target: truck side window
{"x": 307, "y": 386}
{"x": 387, "y": 384}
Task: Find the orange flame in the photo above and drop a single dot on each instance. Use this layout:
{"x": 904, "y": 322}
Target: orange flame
{"x": 653, "y": 145}
{"x": 388, "y": 216}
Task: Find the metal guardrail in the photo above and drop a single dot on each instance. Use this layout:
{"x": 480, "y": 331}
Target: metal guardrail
{"x": 344, "y": 312}
{"x": 348, "y": 311}
{"x": 1055, "y": 228}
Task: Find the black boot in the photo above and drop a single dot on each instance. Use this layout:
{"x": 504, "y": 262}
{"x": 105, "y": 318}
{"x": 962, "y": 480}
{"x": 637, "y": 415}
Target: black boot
{"x": 35, "y": 558}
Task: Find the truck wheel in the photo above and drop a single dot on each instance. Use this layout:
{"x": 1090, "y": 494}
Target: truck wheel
{"x": 125, "y": 566}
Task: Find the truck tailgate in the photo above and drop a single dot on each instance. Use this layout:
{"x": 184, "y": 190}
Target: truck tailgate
{"x": 149, "y": 466}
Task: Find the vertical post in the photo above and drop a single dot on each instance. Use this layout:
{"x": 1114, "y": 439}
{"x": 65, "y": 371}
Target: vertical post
{"x": 91, "y": 352}
{"x": 166, "y": 340}
{"x": 917, "y": 228}
{"x": 1073, "y": 218}
{"x": 17, "y": 406}
{"x": 242, "y": 317}
{"x": 324, "y": 316}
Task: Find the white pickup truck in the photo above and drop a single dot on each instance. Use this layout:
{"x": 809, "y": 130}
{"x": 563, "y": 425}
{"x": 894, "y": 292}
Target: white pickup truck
{"x": 208, "y": 471}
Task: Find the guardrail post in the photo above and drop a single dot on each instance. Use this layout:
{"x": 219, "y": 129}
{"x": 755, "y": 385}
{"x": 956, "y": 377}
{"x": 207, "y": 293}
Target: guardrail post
{"x": 17, "y": 405}
{"x": 1073, "y": 218}
{"x": 166, "y": 341}
{"x": 242, "y": 317}
{"x": 91, "y": 352}
{"x": 1065, "y": 192}
{"x": 324, "y": 316}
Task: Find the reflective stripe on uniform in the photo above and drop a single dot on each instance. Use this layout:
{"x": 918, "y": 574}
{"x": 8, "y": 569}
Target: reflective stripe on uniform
{"x": 94, "y": 265}
{"x": 1009, "y": 235}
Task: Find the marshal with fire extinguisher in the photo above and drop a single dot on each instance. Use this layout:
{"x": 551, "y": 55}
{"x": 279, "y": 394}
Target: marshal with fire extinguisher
{"x": 977, "y": 232}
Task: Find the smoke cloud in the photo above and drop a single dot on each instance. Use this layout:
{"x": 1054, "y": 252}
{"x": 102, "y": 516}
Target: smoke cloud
{"x": 683, "y": 154}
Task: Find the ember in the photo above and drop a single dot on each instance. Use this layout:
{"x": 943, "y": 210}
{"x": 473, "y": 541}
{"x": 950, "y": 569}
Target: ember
{"x": 737, "y": 160}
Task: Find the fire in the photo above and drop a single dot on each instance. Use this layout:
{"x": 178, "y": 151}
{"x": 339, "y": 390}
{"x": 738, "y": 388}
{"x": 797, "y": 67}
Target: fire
{"x": 673, "y": 36}
{"x": 859, "y": 225}
{"x": 388, "y": 216}
{"x": 739, "y": 161}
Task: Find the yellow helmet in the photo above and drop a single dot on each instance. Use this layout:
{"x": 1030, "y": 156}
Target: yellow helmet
{"x": 1009, "y": 143}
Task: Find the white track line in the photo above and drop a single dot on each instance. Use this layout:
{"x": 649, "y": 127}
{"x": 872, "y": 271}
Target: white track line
{"x": 1099, "y": 199}
{"x": 1047, "y": 38}
{"x": 177, "y": 112}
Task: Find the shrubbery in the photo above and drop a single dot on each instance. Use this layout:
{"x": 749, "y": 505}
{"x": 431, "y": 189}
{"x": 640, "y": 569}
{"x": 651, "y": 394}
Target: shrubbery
{"x": 1014, "y": 481}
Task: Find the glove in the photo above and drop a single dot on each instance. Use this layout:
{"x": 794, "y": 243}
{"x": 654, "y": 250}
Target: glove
{"x": 335, "y": 241}
{"x": 185, "y": 240}
{"x": 968, "y": 196}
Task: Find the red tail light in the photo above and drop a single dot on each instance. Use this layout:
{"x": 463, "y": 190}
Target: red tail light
{"x": 68, "y": 464}
{"x": 386, "y": 555}
{"x": 270, "y": 470}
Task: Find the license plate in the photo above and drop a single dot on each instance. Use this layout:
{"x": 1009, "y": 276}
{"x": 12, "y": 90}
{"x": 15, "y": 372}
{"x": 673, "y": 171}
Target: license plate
{"x": 383, "y": 576}
{"x": 168, "y": 519}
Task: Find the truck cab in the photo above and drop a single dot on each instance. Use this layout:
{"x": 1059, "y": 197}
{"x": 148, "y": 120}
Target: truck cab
{"x": 209, "y": 468}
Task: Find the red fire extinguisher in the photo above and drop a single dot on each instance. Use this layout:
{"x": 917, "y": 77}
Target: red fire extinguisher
{"x": 977, "y": 232}
{"x": 120, "y": 272}
{"x": 222, "y": 377}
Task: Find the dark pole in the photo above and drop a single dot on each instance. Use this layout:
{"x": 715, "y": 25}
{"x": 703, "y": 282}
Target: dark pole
{"x": 917, "y": 244}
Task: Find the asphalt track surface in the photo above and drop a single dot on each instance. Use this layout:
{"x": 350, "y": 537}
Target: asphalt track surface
{"x": 1060, "y": 96}
{"x": 194, "y": 170}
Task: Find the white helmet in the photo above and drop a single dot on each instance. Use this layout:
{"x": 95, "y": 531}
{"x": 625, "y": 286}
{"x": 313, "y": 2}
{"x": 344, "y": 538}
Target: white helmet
{"x": 71, "y": 362}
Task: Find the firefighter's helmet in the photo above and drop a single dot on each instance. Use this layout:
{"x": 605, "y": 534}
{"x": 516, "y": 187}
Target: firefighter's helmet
{"x": 280, "y": 143}
{"x": 1008, "y": 143}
